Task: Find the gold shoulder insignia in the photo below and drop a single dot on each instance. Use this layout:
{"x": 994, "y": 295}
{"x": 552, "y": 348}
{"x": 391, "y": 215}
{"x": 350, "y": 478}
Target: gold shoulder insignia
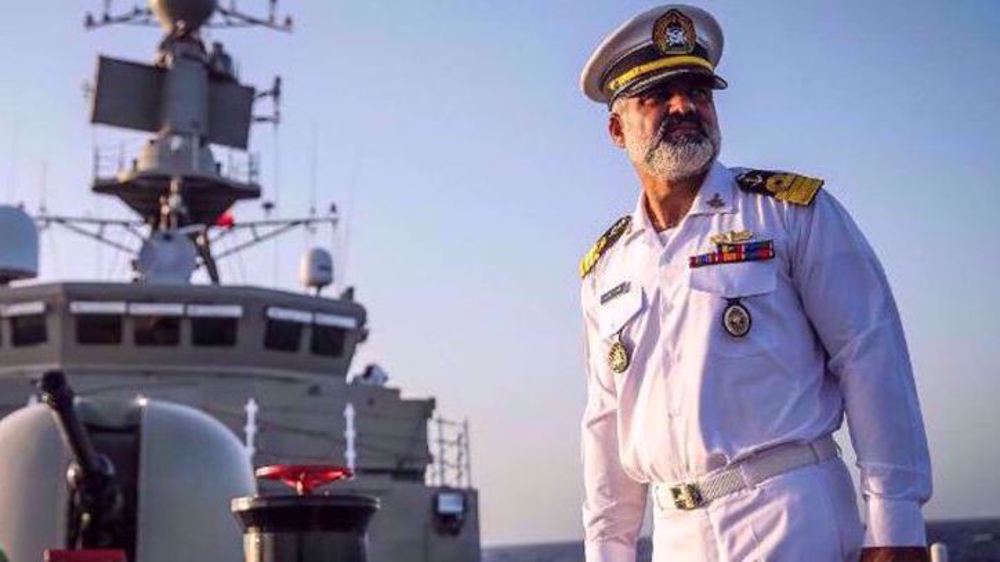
{"x": 784, "y": 186}
{"x": 603, "y": 243}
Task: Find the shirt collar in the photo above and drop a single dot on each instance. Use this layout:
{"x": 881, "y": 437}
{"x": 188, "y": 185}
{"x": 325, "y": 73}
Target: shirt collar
{"x": 640, "y": 220}
{"x": 715, "y": 196}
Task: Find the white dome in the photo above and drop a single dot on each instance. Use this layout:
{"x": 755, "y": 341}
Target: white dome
{"x": 316, "y": 269}
{"x": 192, "y": 12}
{"x": 167, "y": 256}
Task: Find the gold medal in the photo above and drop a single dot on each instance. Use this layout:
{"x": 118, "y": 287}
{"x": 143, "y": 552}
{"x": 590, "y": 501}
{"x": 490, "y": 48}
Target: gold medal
{"x": 736, "y": 319}
{"x": 618, "y": 358}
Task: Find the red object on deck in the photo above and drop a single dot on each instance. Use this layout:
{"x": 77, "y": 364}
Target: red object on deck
{"x": 304, "y": 477}
{"x": 85, "y": 556}
{"x": 226, "y": 220}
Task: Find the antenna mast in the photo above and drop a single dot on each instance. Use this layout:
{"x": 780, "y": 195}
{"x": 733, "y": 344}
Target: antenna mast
{"x": 190, "y": 99}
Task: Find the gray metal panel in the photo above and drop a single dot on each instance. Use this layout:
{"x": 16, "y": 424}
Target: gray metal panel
{"x": 191, "y": 468}
{"x": 33, "y": 493}
{"x": 230, "y": 109}
{"x": 128, "y": 95}
{"x": 184, "y": 98}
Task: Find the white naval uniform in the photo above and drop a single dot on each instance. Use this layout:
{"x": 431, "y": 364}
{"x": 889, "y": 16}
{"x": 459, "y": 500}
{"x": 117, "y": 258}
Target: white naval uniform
{"x": 825, "y": 339}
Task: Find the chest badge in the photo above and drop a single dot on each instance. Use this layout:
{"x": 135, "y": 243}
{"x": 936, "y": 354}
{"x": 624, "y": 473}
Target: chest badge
{"x": 736, "y": 319}
{"x": 732, "y": 237}
{"x": 716, "y": 202}
{"x": 618, "y": 356}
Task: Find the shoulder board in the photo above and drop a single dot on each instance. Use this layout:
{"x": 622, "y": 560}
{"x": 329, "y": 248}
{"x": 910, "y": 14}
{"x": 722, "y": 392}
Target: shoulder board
{"x": 784, "y": 186}
{"x": 603, "y": 243}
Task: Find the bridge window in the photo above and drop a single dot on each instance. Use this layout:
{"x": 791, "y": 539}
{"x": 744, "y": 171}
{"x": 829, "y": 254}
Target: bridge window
{"x": 214, "y": 325}
{"x": 329, "y": 334}
{"x": 28, "y": 330}
{"x": 283, "y": 331}
{"x": 328, "y": 340}
{"x": 27, "y": 323}
{"x": 214, "y": 332}
{"x": 98, "y": 329}
{"x": 156, "y": 324}
{"x": 282, "y": 335}
{"x": 157, "y": 330}
{"x": 98, "y": 323}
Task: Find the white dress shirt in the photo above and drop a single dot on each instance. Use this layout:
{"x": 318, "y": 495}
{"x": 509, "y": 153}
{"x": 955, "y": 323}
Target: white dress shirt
{"x": 825, "y": 340}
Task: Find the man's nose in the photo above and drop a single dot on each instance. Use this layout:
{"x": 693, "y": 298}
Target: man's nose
{"x": 680, "y": 104}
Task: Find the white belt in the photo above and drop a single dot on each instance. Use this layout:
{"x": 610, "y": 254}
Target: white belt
{"x": 744, "y": 474}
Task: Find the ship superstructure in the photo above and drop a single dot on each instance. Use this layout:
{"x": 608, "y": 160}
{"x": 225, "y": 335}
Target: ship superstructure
{"x": 272, "y": 365}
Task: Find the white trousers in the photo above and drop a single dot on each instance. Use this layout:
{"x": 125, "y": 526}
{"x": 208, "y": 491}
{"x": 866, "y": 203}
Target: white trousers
{"x": 808, "y": 514}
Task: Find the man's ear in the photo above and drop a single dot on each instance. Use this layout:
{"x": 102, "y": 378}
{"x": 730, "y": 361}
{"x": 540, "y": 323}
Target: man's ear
{"x": 615, "y": 130}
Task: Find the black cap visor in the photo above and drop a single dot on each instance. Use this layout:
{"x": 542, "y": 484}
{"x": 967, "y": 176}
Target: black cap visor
{"x": 653, "y": 79}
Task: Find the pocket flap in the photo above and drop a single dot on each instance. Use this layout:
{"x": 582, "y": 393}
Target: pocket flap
{"x": 616, "y": 312}
{"x": 731, "y": 280}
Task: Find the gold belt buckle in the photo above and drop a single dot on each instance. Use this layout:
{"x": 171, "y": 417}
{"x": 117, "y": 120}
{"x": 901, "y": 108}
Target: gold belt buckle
{"x": 687, "y": 496}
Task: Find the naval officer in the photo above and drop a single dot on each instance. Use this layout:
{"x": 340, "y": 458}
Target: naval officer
{"x": 732, "y": 321}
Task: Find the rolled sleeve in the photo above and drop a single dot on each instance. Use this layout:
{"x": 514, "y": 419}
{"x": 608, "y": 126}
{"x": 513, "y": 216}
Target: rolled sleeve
{"x": 850, "y": 305}
{"x": 614, "y": 503}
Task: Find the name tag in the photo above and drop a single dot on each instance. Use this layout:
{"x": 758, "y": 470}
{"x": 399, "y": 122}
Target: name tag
{"x": 616, "y": 291}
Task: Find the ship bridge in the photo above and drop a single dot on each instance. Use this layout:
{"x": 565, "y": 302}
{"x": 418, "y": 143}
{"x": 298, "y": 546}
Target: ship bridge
{"x": 162, "y": 329}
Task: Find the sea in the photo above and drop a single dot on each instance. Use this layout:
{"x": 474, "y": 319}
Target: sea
{"x": 968, "y": 540}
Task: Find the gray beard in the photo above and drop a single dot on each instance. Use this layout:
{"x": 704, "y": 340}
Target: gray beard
{"x": 676, "y": 160}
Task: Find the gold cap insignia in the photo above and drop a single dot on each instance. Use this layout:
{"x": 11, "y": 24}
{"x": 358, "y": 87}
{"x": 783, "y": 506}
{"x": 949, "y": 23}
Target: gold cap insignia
{"x": 674, "y": 33}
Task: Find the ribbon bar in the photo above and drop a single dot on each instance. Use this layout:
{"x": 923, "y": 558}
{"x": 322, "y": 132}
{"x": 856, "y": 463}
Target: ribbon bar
{"x": 735, "y": 253}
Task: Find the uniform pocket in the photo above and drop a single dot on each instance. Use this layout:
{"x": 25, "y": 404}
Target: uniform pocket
{"x": 750, "y": 285}
{"x": 736, "y": 280}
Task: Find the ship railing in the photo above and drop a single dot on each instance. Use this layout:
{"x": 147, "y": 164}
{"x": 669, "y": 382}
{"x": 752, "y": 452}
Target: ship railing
{"x": 451, "y": 466}
{"x": 115, "y": 160}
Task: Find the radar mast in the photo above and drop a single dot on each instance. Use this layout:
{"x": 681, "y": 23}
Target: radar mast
{"x": 190, "y": 99}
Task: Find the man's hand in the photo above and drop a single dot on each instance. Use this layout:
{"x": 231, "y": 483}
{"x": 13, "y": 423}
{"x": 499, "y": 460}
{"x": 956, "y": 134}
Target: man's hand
{"x": 895, "y": 554}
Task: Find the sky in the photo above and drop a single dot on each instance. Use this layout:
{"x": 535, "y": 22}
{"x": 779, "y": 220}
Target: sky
{"x": 471, "y": 175}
